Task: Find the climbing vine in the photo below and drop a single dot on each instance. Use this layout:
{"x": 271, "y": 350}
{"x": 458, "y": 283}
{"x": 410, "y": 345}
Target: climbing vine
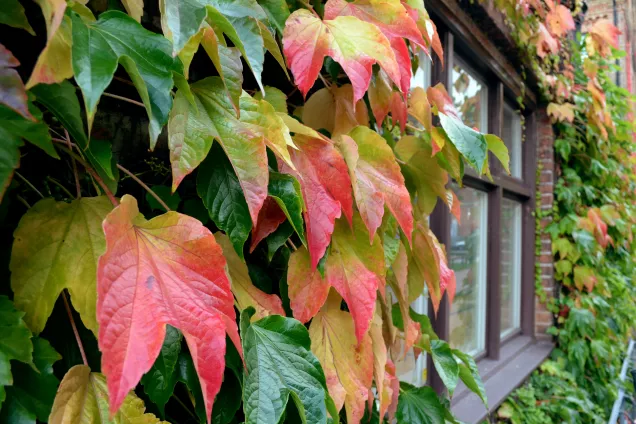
{"x": 592, "y": 225}
{"x": 213, "y": 207}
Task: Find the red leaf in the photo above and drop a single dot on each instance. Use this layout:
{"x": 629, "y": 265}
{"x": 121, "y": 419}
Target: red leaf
{"x": 326, "y": 187}
{"x": 269, "y": 218}
{"x": 356, "y": 45}
{"x": 398, "y": 110}
{"x": 168, "y": 270}
{"x": 307, "y": 289}
{"x": 438, "y": 97}
{"x": 12, "y": 91}
{"x": 404, "y": 63}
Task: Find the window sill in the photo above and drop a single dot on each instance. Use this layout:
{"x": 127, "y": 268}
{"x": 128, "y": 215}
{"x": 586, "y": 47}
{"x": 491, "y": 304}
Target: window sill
{"x": 518, "y": 358}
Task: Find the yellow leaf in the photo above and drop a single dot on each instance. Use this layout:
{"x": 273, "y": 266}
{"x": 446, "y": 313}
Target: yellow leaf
{"x": 135, "y": 8}
{"x": 82, "y": 398}
{"x": 54, "y": 64}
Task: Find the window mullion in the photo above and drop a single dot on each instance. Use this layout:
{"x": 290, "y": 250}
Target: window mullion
{"x": 493, "y": 297}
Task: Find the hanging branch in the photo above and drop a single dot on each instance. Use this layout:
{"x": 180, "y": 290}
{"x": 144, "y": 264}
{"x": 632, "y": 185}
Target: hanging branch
{"x": 27, "y": 182}
{"x": 124, "y": 99}
{"x": 77, "y": 336}
{"x": 141, "y": 183}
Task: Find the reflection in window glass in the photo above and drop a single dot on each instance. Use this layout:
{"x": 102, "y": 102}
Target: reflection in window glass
{"x": 409, "y": 369}
{"x": 422, "y": 77}
{"x": 470, "y": 97}
{"x": 510, "y": 266}
{"x": 468, "y": 260}
{"x": 512, "y": 139}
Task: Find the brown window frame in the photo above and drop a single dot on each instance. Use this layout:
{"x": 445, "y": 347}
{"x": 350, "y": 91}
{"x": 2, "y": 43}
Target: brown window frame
{"x": 504, "y": 84}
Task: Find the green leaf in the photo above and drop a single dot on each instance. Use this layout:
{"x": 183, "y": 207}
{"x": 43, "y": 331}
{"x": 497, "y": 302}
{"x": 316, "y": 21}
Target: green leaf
{"x": 159, "y": 382}
{"x": 274, "y": 97}
{"x": 270, "y": 44}
{"x": 62, "y": 102}
{"x": 12, "y": 14}
{"x": 445, "y": 364}
{"x": 196, "y": 209}
{"x": 36, "y": 132}
{"x": 499, "y": 149}
{"x": 228, "y": 401}
{"x": 57, "y": 246}
{"x": 419, "y": 405}
{"x": 172, "y": 200}
{"x": 279, "y": 364}
{"x": 33, "y": 391}
{"x": 469, "y": 374}
{"x": 15, "y": 343}
{"x": 285, "y": 189}
{"x": 277, "y": 12}
{"x": 187, "y": 374}
{"x": 220, "y": 190}
{"x": 9, "y": 157}
{"x": 470, "y": 143}
{"x": 147, "y": 57}
{"x": 278, "y": 238}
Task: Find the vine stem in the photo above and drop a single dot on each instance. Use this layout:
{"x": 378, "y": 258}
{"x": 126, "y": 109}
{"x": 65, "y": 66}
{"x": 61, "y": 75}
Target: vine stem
{"x": 310, "y": 7}
{"x": 91, "y": 171}
{"x": 324, "y": 81}
{"x": 77, "y": 336}
{"x": 141, "y": 183}
{"x": 57, "y": 183}
{"x": 292, "y": 245}
{"x": 27, "y": 182}
{"x": 124, "y": 99}
{"x": 78, "y": 188}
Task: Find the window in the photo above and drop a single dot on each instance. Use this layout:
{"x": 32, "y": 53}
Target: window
{"x": 470, "y": 96}
{"x": 512, "y": 138}
{"x": 422, "y": 76}
{"x": 468, "y": 259}
{"x": 510, "y": 267}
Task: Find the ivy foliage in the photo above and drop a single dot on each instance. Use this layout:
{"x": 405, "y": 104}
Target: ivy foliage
{"x": 192, "y": 232}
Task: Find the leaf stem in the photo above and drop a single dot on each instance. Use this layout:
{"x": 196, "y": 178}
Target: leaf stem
{"x": 27, "y": 182}
{"x": 183, "y": 405}
{"x": 324, "y": 81}
{"x": 24, "y": 202}
{"x": 292, "y": 245}
{"x": 78, "y": 188}
{"x": 124, "y": 99}
{"x": 91, "y": 171}
{"x": 77, "y": 336}
{"x": 141, "y": 183}
{"x": 310, "y": 7}
{"x": 57, "y": 183}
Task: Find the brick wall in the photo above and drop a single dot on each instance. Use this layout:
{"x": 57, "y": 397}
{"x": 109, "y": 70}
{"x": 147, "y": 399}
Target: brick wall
{"x": 545, "y": 155}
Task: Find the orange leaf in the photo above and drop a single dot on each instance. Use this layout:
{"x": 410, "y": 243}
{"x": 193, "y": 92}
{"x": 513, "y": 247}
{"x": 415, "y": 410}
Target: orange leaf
{"x": 12, "y": 92}
{"x": 560, "y": 21}
{"x": 168, "y": 270}
{"x": 420, "y": 109}
{"x": 348, "y": 365}
{"x": 333, "y": 110}
{"x": 601, "y": 37}
{"x": 439, "y": 98}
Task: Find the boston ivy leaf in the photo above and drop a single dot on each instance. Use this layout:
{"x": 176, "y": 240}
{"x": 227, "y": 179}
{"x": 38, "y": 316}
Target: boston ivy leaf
{"x": 419, "y": 108}
{"x": 36, "y": 132}
{"x": 248, "y": 34}
{"x": 160, "y": 380}
{"x": 56, "y": 246}
{"x": 469, "y": 373}
{"x": 16, "y": 342}
{"x": 286, "y": 191}
{"x": 9, "y": 157}
{"x": 470, "y": 143}
{"x": 172, "y": 200}
{"x": 445, "y": 364}
{"x": 135, "y": 8}
{"x": 83, "y": 397}
{"x": 277, "y": 12}
{"x": 377, "y": 180}
{"x": 168, "y": 270}
{"x": 33, "y": 390}
{"x": 117, "y": 38}
{"x": 353, "y": 268}
{"x": 187, "y": 374}
{"x": 278, "y": 239}
{"x": 348, "y": 363}
{"x": 279, "y": 364}
{"x": 246, "y": 293}
{"x": 356, "y": 45}
{"x": 274, "y": 97}
{"x": 228, "y": 401}
{"x": 499, "y": 149}
{"x": 193, "y": 129}
{"x": 220, "y": 190}
{"x": 227, "y": 61}
{"x": 419, "y": 405}
{"x": 270, "y": 44}
{"x": 269, "y": 218}
{"x": 333, "y": 109}
{"x": 399, "y": 285}
{"x": 12, "y": 92}
{"x": 325, "y": 184}
{"x": 12, "y": 14}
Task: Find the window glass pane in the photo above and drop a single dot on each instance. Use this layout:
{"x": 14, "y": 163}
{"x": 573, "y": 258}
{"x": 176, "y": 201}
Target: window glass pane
{"x": 470, "y": 97}
{"x": 409, "y": 369}
{"x": 512, "y": 139}
{"x": 422, "y": 77}
{"x": 468, "y": 260}
{"x": 510, "y": 266}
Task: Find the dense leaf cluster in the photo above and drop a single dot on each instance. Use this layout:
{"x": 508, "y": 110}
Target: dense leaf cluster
{"x": 129, "y": 298}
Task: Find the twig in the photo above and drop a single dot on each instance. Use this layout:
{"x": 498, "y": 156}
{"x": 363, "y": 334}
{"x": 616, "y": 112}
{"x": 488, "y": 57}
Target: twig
{"x": 310, "y": 7}
{"x": 324, "y": 81}
{"x": 77, "y": 336}
{"x": 292, "y": 245}
{"x": 27, "y": 182}
{"x": 24, "y": 202}
{"x": 141, "y": 183}
{"x": 124, "y": 99}
{"x": 57, "y": 183}
{"x": 78, "y": 188}
{"x": 125, "y": 81}
{"x": 183, "y": 404}
{"x": 91, "y": 171}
